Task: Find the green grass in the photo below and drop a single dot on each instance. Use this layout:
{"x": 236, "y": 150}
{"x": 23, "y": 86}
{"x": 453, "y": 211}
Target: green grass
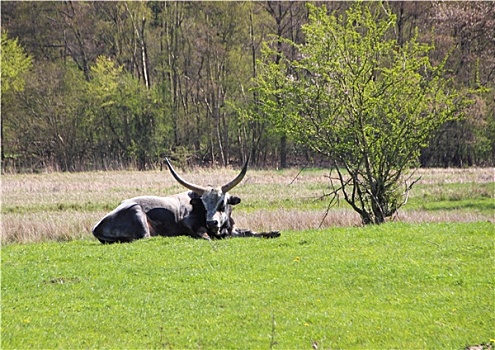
{"x": 470, "y": 196}
{"x": 396, "y": 285}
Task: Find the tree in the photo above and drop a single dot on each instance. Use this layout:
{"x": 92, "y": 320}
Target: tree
{"x": 466, "y": 28}
{"x": 42, "y": 124}
{"x": 14, "y": 62}
{"x": 187, "y": 70}
{"x": 283, "y": 14}
{"x": 357, "y": 97}
{"x": 126, "y": 117}
{"x": 14, "y": 65}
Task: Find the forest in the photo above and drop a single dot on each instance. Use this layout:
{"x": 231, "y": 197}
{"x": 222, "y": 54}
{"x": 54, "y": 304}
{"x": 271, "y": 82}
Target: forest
{"x": 116, "y": 85}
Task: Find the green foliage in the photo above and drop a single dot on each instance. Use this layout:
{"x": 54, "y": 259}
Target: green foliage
{"x": 389, "y": 286}
{"x": 73, "y": 122}
{"x": 359, "y": 98}
{"x": 46, "y": 120}
{"x": 105, "y": 81}
{"x": 128, "y": 112}
{"x": 14, "y": 64}
{"x": 468, "y": 141}
{"x": 196, "y": 61}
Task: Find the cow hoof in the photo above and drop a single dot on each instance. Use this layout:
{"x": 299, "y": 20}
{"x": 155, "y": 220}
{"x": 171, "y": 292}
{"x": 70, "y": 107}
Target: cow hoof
{"x": 271, "y": 234}
{"x": 206, "y": 236}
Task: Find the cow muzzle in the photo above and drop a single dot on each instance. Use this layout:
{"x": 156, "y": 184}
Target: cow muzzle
{"x": 212, "y": 226}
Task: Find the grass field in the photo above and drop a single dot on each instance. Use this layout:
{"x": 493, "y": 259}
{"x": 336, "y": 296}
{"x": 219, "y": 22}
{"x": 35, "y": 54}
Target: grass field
{"x": 426, "y": 280}
{"x": 404, "y": 286}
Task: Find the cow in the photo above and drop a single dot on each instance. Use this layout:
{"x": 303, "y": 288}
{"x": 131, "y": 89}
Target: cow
{"x": 201, "y": 212}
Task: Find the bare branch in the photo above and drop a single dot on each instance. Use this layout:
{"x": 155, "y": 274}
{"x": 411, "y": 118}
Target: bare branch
{"x": 297, "y": 175}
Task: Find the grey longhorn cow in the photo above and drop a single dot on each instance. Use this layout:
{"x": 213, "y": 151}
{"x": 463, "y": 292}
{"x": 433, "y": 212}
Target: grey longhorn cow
{"x": 202, "y": 212}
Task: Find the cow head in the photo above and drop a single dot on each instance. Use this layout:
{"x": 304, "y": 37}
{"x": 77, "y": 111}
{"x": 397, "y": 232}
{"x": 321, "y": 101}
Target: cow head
{"x": 217, "y": 201}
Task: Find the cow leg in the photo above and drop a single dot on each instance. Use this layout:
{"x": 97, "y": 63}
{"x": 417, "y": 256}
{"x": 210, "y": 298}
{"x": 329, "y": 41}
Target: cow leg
{"x": 248, "y": 233}
{"x": 231, "y": 231}
{"x": 126, "y": 223}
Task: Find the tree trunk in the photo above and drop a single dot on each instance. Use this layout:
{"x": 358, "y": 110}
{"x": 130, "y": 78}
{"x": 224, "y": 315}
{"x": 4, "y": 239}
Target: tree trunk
{"x": 283, "y": 152}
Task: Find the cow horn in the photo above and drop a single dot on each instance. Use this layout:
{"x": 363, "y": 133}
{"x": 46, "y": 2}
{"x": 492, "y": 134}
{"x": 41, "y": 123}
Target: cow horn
{"x": 238, "y": 179}
{"x": 195, "y": 188}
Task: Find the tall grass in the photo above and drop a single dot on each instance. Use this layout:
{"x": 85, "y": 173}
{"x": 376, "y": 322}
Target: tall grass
{"x": 64, "y": 206}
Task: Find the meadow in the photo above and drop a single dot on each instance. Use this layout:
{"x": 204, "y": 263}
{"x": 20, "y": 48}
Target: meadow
{"x": 423, "y": 280}
{"x": 65, "y": 206}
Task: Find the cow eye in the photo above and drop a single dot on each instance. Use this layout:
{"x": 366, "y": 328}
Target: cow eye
{"x": 221, "y": 206}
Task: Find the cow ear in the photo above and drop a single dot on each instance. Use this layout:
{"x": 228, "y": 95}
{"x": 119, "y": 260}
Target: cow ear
{"x": 233, "y": 200}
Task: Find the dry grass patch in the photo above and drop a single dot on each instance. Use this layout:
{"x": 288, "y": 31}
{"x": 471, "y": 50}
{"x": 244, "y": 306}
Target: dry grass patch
{"x": 48, "y": 226}
{"x": 72, "y": 225}
{"x": 423, "y": 216}
{"x": 454, "y": 175}
{"x": 65, "y": 206}
{"x": 295, "y": 220}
